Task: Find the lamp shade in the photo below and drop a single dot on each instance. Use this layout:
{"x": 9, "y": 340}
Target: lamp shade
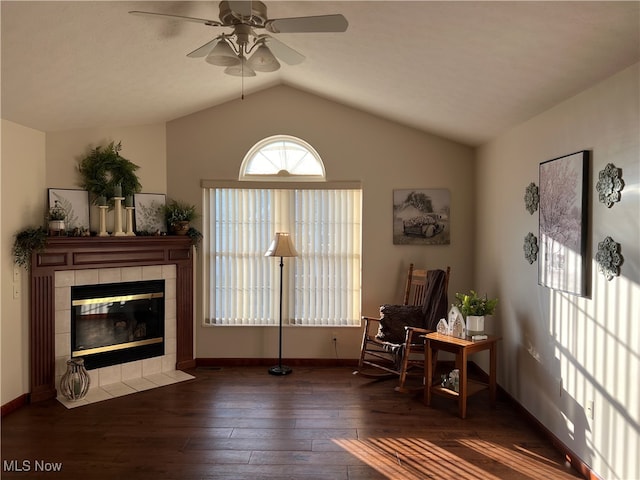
{"x": 263, "y": 60}
{"x": 242, "y": 69}
{"x": 281, "y": 246}
{"x": 223, "y": 55}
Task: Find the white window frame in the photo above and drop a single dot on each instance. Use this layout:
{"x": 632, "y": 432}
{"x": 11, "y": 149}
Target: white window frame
{"x": 278, "y": 171}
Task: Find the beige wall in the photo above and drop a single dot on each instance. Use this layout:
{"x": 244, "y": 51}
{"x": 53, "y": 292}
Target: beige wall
{"x": 354, "y": 146}
{"x": 23, "y": 205}
{"x": 563, "y": 352}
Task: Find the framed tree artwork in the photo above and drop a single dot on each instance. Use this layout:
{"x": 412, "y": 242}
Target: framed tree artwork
{"x": 563, "y": 210}
{"x": 149, "y": 212}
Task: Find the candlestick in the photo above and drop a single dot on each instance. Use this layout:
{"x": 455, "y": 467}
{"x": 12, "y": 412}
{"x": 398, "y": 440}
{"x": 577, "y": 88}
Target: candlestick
{"x": 117, "y": 217}
{"x": 129, "y": 213}
{"x": 103, "y": 221}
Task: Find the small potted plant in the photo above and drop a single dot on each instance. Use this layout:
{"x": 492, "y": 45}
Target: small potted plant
{"x": 56, "y": 217}
{"x": 179, "y": 215}
{"x": 475, "y": 308}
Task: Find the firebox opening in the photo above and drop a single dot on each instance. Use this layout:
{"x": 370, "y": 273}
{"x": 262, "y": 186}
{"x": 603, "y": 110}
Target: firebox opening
{"x": 117, "y": 323}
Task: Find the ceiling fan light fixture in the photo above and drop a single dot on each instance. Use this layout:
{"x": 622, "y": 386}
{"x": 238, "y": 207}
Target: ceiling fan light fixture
{"x": 263, "y": 60}
{"x": 223, "y": 55}
{"x": 242, "y": 69}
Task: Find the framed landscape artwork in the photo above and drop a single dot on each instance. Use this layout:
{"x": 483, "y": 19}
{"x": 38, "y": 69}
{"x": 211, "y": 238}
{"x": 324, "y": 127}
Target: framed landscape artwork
{"x": 149, "y": 212}
{"x": 562, "y": 260}
{"x": 75, "y": 204}
{"x": 421, "y": 216}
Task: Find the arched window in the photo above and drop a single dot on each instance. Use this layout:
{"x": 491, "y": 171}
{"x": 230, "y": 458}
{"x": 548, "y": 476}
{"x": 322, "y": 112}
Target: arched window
{"x": 282, "y": 157}
{"x": 324, "y": 220}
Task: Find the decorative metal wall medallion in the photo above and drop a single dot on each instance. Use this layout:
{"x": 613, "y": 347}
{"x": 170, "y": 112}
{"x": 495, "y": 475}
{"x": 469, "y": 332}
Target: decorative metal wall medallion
{"x": 609, "y": 258}
{"x": 609, "y": 185}
{"x": 531, "y": 198}
{"x": 530, "y": 248}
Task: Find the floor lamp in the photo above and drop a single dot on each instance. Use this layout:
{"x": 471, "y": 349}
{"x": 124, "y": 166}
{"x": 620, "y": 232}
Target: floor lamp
{"x": 281, "y": 246}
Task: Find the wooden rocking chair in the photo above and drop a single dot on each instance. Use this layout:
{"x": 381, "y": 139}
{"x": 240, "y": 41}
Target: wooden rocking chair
{"x": 392, "y": 345}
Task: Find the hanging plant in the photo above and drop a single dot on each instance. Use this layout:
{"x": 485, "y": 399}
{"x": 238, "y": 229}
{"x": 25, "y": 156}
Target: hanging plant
{"x": 26, "y": 242}
{"x": 103, "y": 170}
{"x": 195, "y": 235}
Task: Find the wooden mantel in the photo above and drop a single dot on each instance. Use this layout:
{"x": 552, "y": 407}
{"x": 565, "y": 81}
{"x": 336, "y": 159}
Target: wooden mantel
{"x": 77, "y": 253}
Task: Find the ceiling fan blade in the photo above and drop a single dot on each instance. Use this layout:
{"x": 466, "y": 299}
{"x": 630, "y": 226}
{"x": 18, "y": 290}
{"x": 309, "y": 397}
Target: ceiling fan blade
{"x": 205, "y": 49}
{"x": 242, "y": 8}
{"x": 320, "y": 23}
{"x": 211, "y": 23}
{"x": 283, "y": 52}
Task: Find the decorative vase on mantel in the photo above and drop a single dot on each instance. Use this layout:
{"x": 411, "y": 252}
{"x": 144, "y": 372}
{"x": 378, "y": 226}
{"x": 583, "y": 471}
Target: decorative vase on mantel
{"x": 475, "y": 325}
{"x": 180, "y": 228}
{"x": 75, "y": 382}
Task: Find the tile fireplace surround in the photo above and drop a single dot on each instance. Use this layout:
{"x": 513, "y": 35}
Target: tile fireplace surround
{"x": 67, "y": 262}
{"x": 125, "y": 377}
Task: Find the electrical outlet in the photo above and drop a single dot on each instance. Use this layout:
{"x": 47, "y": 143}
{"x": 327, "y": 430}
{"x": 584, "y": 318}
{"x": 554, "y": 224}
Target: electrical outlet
{"x": 16, "y": 274}
{"x": 16, "y": 291}
{"x": 590, "y": 409}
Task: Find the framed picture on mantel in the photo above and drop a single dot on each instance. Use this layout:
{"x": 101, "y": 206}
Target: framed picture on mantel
{"x": 562, "y": 260}
{"x": 75, "y": 204}
{"x": 149, "y": 212}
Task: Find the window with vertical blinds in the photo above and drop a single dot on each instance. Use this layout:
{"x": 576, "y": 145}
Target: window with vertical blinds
{"x": 321, "y": 286}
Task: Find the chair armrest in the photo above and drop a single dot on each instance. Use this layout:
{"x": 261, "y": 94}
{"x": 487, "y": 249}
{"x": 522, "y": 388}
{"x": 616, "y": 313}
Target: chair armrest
{"x": 414, "y": 332}
{"x": 370, "y": 323}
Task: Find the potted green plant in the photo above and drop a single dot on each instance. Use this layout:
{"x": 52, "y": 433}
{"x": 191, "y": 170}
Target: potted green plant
{"x": 475, "y": 308}
{"x": 56, "y": 218}
{"x": 179, "y": 215}
{"x": 26, "y": 242}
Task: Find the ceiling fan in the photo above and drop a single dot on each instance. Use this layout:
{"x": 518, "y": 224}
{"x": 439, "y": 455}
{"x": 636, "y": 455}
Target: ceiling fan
{"x": 232, "y": 50}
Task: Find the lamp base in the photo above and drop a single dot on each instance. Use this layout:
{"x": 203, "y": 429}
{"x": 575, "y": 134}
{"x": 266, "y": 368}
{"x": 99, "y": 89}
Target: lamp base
{"x": 280, "y": 370}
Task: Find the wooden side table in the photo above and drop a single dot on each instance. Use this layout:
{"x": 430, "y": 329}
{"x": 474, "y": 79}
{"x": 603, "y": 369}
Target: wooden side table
{"x": 462, "y": 348}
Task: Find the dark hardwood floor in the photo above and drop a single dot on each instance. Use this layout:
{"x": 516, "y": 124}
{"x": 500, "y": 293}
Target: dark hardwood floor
{"x": 242, "y": 423}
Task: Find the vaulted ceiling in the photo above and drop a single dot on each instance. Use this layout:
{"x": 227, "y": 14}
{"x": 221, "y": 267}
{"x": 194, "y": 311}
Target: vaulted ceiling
{"x": 464, "y": 70}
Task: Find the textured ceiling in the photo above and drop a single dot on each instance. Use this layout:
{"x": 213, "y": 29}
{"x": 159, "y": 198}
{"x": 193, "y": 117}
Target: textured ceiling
{"x": 463, "y": 70}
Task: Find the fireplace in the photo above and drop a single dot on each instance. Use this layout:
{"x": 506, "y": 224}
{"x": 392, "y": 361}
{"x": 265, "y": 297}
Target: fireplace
{"x": 69, "y": 261}
{"x": 117, "y": 323}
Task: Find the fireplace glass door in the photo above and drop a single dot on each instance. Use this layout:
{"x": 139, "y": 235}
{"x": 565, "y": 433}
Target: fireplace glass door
{"x": 117, "y": 323}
